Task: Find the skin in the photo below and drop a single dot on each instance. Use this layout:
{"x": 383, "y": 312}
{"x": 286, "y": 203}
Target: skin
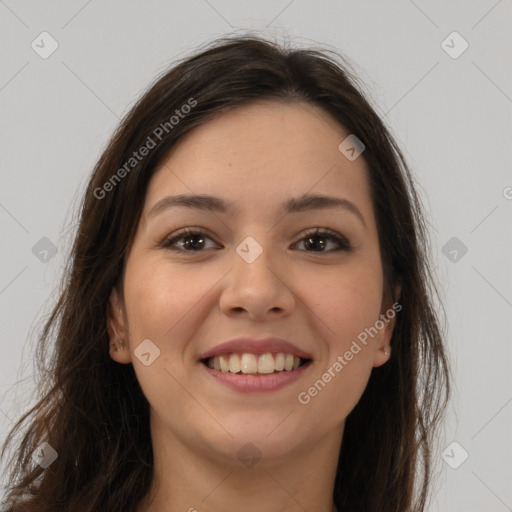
{"x": 189, "y": 302}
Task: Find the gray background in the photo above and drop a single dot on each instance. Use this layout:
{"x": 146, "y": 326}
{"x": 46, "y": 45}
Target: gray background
{"x": 452, "y": 116}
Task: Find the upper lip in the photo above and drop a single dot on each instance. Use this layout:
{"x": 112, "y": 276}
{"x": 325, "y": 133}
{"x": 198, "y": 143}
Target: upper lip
{"x": 254, "y": 346}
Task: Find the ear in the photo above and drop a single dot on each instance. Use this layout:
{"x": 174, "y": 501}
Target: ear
{"x": 386, "y": 325}
{"x": 116, "y": 325}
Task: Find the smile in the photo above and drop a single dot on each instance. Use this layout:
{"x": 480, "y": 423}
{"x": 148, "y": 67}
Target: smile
{"x": 249, "y": 373}
{"x": 254, "y": 364}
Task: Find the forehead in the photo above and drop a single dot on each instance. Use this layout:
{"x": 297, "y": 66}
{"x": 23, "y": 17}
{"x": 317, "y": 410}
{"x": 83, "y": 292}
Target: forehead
{"x": 261, "y": 154}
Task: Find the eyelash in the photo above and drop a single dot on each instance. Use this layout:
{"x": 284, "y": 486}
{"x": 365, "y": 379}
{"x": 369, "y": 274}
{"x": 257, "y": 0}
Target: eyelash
{"x": 327, "y": 234}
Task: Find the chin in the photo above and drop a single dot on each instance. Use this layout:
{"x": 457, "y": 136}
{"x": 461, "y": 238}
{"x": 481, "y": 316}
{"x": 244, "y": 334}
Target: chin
{"x": 256, "y": 437}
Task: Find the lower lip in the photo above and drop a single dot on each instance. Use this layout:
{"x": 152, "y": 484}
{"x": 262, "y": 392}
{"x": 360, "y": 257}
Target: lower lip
{"x": 257, "y": 383}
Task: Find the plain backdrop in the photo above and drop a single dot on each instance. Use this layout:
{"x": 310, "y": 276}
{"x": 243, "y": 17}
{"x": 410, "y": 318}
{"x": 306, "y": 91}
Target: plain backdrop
{"x": 449, "y": 107}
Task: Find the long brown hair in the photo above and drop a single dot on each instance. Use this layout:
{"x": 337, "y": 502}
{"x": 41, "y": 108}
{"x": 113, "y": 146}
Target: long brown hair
{"x": 92, "y": 411}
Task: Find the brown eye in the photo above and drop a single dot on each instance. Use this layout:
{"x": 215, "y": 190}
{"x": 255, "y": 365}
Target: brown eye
{"x": 318, "y": 239}
{"x": 315, "y": 240}
{"x": 194, "y": 241}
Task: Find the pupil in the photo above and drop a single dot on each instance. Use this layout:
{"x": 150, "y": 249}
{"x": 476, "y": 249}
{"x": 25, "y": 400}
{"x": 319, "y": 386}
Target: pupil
{"x": 193, "y": 237}
{"x": 313, "y": 242}
{"x": 317, "y": 242}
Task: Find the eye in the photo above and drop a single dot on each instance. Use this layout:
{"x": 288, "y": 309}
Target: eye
{"x": 315, "y": 238}
{"x": 195, "y": 240}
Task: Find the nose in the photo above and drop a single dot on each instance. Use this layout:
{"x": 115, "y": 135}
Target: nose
{"x": 258, "y": 289}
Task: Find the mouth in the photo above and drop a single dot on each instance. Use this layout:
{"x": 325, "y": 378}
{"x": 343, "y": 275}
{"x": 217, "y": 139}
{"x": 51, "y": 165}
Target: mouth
{"x": 255, "y": 364}
{"x": 248, "y": 365}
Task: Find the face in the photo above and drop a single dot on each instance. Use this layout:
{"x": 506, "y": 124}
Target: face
{"x": 311, "y": 276}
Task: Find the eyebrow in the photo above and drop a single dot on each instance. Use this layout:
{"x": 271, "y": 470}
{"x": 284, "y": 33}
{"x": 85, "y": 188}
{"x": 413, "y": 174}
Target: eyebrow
{"x": 306, "y": 202}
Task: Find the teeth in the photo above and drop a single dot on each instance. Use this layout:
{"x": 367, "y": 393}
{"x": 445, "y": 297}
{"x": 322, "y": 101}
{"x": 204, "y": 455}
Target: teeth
{"x": 279, "y": 362}
{"x": 224, "y": 363}
{"x": 254, "y": 364}
{"x": 234, "y": 363}
{"x": 248, "y": 363}
{"x": 266, "y": 363}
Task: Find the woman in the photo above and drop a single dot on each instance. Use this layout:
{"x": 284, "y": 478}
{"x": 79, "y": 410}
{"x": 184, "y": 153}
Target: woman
{"x": 247, "y": 322}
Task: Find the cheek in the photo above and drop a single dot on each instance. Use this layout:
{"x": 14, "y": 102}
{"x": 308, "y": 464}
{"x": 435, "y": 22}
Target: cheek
{"x": 157, "y": 302}
{"x": 349, "y": 302}
{"x": 157, "y": 297}
{"x": 346, "y": 306}
{"x": 164, "y": 304}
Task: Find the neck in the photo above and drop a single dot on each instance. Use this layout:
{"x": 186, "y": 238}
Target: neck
{"x": 186, "y": 479}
